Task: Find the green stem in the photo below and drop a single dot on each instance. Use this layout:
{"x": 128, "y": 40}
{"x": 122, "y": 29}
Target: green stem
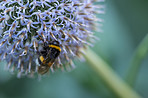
{"x": 117, "y": 85}
{"x": 139, "y": 55}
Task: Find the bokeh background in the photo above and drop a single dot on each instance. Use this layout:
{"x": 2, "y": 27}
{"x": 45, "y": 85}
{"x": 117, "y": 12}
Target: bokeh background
{"x": 125, "y": 25}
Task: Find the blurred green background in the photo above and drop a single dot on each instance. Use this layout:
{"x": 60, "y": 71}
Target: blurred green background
{"x": 125, "y": 25}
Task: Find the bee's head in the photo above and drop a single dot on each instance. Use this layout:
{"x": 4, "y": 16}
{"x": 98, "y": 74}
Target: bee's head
{"x": 51, "y": 43}
{"x": 54, "y": 43}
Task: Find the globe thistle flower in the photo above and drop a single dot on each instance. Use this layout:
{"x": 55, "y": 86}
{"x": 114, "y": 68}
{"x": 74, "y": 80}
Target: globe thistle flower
{"x": 26, "y": 24}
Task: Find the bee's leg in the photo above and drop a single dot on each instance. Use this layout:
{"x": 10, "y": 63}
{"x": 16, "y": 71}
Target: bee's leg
{"x": 38, "y": 52}
{"x": 45, "y": 44}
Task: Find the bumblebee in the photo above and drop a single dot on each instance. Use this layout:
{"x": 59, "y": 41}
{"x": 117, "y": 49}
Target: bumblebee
{"x": 48, "y": 55}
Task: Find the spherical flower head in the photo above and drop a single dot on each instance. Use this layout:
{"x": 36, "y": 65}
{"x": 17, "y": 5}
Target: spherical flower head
{"x": 25, "y": 25}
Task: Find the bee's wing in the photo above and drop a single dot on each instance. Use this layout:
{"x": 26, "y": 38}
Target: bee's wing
{"x": 51, "y": 62}
{"x": 43, "y": 69}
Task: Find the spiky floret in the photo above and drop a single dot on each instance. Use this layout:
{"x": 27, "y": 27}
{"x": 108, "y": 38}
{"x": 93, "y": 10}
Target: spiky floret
{"x": 26, "y": 24}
